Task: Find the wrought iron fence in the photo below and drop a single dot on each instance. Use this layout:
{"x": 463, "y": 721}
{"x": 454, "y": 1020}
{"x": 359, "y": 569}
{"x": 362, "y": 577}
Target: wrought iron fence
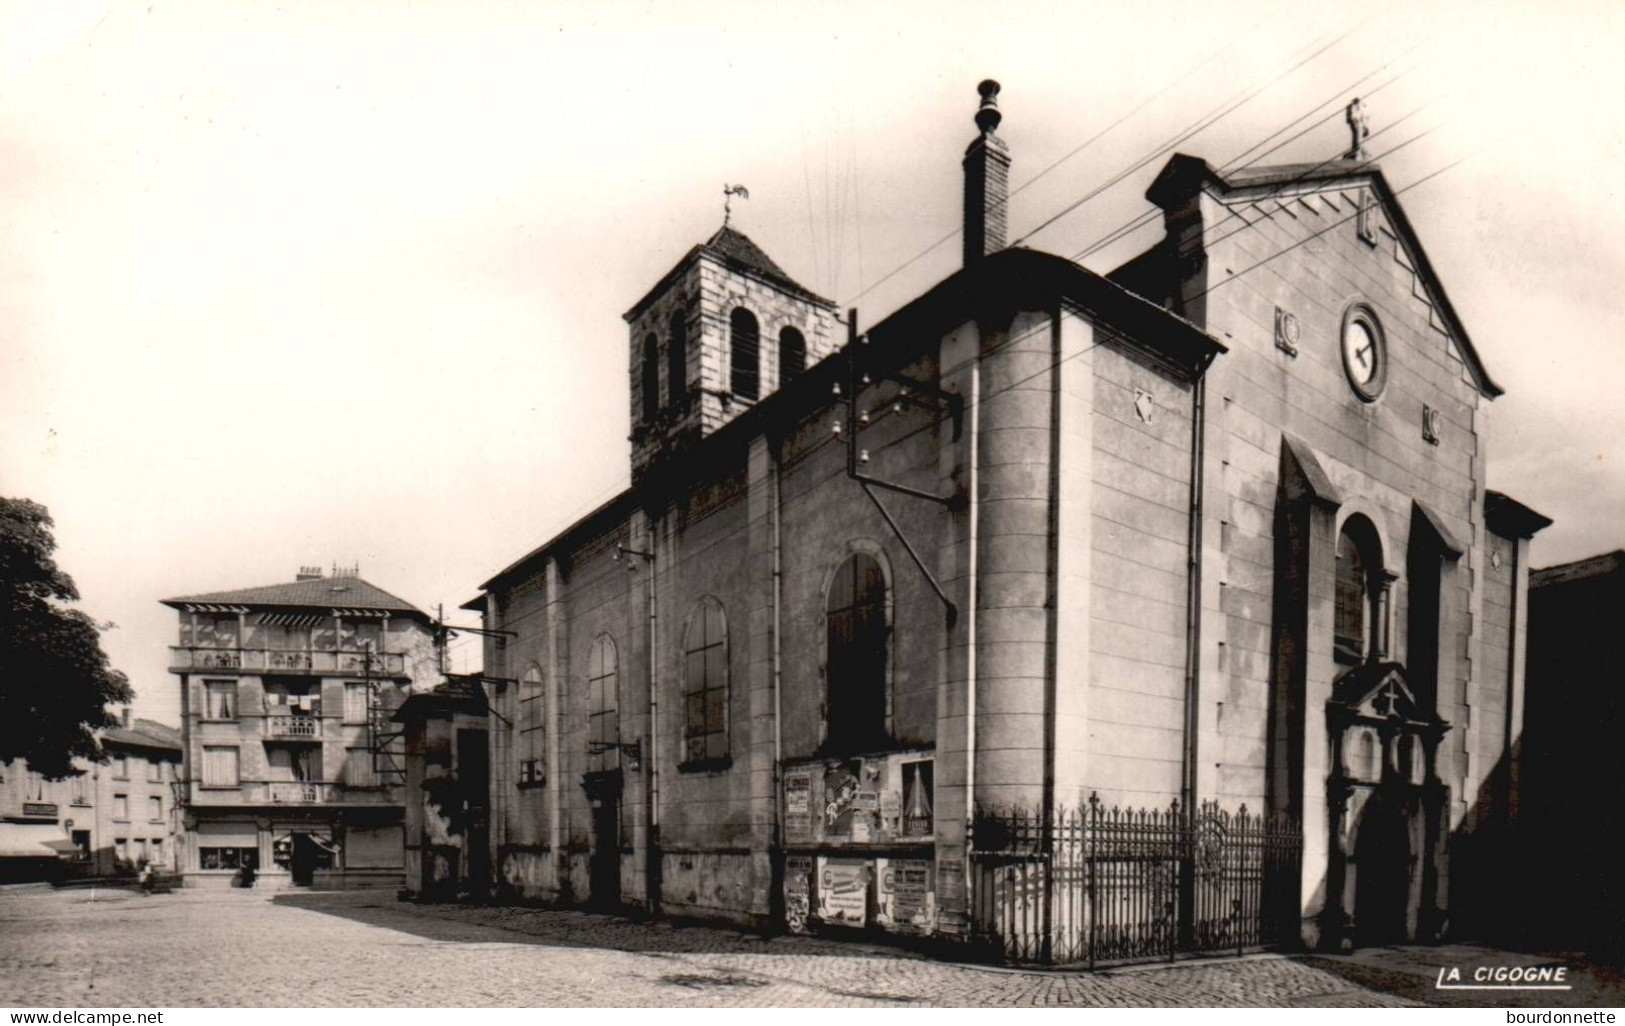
{"x": 1095, "y": 884}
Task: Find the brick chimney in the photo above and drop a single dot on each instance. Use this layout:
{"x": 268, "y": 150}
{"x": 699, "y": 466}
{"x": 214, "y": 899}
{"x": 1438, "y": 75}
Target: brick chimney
{"x": 124, "y": 717}
{"x": 987, "y": 181}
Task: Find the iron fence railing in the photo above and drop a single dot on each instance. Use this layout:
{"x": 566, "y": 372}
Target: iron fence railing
{"x": 1094, "y": 884}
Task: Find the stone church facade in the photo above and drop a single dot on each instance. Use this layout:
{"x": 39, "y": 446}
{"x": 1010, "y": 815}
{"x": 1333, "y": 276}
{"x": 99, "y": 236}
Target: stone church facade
{"x": 1211, "y": 528}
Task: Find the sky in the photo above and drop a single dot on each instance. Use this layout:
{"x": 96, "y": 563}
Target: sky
{"x": 342, "y": 283}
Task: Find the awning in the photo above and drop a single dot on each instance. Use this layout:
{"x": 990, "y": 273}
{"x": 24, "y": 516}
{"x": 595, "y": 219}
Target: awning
{"x": 31, "y": 840}
{"x": 294, "y": 620}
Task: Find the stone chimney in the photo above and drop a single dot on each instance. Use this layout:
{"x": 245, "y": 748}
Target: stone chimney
{"x": 987, "y": 181}
{"x": 308, "y": 573}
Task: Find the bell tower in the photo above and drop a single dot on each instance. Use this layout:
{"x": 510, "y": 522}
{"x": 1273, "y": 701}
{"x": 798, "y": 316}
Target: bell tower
{"x": 723, "y": 330}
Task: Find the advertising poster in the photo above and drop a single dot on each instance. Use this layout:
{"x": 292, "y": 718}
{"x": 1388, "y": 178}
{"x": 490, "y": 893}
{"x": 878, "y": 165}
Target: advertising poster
{"x": 841, "y": 783}
{"x": 843, "y": 891}
{"x": 798, "y": 806}
{"x": 906, "y": 895}
{"x": 951, "y": 884}
{"x": 797, "y": 892}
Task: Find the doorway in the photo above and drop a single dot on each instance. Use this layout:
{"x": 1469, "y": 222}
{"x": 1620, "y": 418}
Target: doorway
{"x": 474, "y": 776}
{"x": 1382, "y": 883}
{"x": 604, "y": 793}
{"x": 303, "y": 863}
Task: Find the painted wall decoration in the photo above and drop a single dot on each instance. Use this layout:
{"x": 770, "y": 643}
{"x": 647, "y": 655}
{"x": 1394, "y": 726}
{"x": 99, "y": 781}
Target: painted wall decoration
{"x": 843, "y": 890}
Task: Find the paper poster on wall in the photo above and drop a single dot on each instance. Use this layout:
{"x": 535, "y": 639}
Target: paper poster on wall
{"x": 843, "y": 891}
{"x": 950, "y": 884}
{"x": 797, "y": 892}
{"x": 841, "y": 783}
{"x": 798, "y": 806}
{"x": 907, "y": 897}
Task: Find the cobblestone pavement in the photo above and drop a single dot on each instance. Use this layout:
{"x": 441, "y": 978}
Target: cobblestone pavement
{"x": 244, "y": 948}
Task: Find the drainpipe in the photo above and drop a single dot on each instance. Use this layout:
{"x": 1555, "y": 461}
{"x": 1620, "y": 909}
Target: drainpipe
{"x": 1193, "y": 656}
{"x": 652, "y": 865}
{"x": 776, "y": 895}
{"x": 973, "y": 435}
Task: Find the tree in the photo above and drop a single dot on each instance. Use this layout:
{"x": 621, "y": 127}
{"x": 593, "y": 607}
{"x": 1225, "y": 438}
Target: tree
{"x": 55, "y": 680}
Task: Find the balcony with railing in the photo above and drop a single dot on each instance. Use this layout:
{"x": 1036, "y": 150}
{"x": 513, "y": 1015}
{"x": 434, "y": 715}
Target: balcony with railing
{"x": 293, "y": 728}
{"x": 269, "y": 660}
{"x": 296, "y": 792}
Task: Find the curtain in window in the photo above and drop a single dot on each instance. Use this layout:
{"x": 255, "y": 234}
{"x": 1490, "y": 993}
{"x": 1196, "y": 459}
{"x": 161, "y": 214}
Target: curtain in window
{"x": 355, "y": 703}
{"x": 358, "y": 770}
{"x": 220, "y": 766}
{"x": 220, "y": 700}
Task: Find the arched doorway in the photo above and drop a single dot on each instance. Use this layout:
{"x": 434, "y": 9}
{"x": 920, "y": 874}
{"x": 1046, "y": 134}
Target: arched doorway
{"x": 1382, "y": 873}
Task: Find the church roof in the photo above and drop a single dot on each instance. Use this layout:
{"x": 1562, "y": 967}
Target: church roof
{"x": 318, "y": 593}
{"x": 1579, "y": 570}
{"x": 1184, "y": 174}
{"x": 736, "y": 251}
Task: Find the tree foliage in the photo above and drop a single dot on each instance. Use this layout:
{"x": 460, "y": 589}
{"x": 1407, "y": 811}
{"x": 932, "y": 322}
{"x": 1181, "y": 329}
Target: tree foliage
{"x": 55, "y": 680}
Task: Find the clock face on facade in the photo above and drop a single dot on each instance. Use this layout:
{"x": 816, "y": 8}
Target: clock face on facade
{"x": 1364, "y": 357}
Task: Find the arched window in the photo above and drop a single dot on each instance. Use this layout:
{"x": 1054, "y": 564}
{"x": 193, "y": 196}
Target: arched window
{"x": 792, "y": 356}
{"x": 705, "y": 683}
{"x": 856, "y": 633}
{"x": 1356, "y": 620}
{"x": 532, "y": 724}
{"x": 677, "y": 358}
{"x": 745, "y": 347}
{"x": 603, "y": 706}
{"x": 651, "y": 377}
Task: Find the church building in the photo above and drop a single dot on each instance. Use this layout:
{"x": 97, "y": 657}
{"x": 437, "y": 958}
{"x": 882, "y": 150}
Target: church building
{"x": 898, "y": 623}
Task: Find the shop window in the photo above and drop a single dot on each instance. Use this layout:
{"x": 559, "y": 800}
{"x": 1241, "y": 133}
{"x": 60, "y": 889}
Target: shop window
{"x": 227, "y": 858}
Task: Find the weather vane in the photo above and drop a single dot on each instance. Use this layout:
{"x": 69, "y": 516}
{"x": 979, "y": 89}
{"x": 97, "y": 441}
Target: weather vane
{"x": 728, "y": 194}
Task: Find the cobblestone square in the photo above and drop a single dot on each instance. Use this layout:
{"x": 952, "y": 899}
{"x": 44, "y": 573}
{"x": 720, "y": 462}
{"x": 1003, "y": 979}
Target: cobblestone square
{"x": 244, "y": 948}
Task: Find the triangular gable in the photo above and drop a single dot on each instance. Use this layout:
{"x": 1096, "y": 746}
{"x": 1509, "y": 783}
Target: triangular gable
{"x": 1379, "y": 691}
{"x": 1336, "y": 184}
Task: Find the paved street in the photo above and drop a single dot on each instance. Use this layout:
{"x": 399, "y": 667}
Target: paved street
{"x": 116, "y": 948}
